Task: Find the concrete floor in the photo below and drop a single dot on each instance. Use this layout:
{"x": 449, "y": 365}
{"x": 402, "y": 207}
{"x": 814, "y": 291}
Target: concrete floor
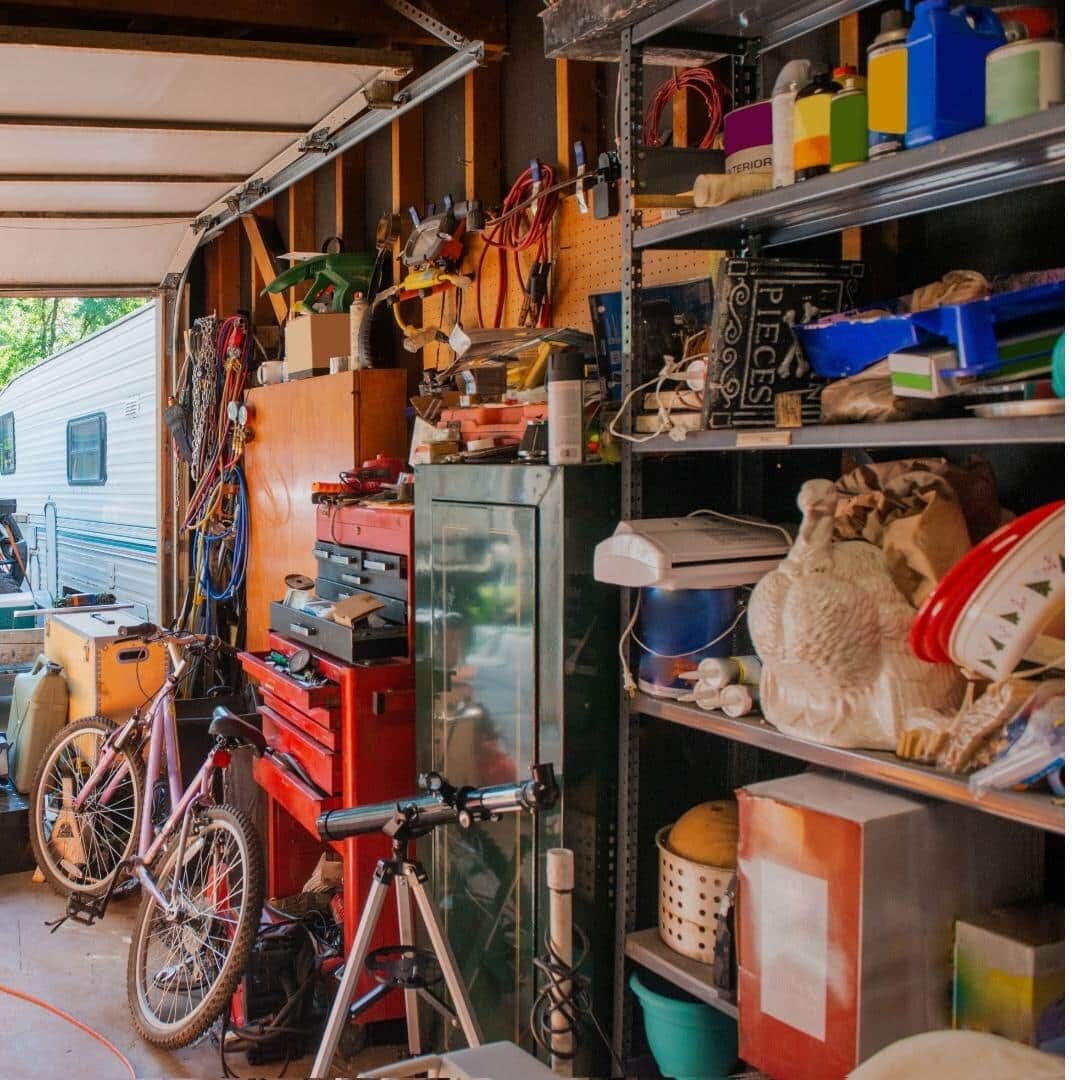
{"x": 83, "y": 970}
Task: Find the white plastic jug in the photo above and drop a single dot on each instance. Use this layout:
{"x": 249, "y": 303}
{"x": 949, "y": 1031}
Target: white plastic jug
{"x": 39, "y": 704}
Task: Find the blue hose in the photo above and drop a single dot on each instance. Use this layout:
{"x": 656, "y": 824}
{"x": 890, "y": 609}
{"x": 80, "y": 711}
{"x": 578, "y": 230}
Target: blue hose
{"x": 238, "y": 532}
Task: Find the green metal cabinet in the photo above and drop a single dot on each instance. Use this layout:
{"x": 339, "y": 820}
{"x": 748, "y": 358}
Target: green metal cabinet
{"x": 516, "y": 663}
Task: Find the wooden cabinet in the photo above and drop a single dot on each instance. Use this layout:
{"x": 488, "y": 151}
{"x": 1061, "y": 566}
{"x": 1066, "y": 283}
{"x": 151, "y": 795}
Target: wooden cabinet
{"x": 305, "y": 431}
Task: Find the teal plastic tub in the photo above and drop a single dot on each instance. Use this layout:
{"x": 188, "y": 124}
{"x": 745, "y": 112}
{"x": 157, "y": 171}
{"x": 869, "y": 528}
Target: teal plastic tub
{"x": 689, "y": 1039}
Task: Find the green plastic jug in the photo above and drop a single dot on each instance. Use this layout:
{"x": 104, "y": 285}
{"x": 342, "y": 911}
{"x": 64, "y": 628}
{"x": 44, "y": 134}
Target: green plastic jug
{"x": 39, "y": 706}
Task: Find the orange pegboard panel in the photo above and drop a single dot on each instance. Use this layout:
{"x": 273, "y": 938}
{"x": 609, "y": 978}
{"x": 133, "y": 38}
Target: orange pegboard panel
{"x": 586, "y": 257}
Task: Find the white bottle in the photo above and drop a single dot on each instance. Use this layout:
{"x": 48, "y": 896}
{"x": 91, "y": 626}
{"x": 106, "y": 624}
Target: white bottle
{"x": 794, "y": 75}
{"x": 566, "y": 407}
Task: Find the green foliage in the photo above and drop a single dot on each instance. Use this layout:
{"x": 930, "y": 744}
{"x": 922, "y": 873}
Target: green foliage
{"x": 34, "y": 327}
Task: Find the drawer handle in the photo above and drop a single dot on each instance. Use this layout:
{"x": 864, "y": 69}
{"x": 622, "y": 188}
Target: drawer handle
{"x": 343, "y": 560}
{"x": 374, "y": 564}
{"x": 320, "y": 554}
{"x": 304, "y": 631}
{"x": 354, "y": 579}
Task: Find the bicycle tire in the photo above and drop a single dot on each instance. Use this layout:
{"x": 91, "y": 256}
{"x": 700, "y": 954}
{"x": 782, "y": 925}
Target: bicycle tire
{"x": 183, "y": 1029}
{"x": 42, "y": 819}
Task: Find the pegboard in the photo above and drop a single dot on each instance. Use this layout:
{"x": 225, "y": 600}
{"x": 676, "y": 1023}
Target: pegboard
{"x": 587, "y": 261}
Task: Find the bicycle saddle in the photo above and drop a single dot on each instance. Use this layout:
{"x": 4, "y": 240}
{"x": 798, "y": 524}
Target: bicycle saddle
{"x": 227, "y": 725}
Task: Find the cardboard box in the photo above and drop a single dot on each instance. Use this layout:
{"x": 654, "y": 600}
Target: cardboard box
{"x": 848, "y": 895}
{"x": 917, "y": 372}
{"x": 310, "y": 341}
{"x": 1009, "y": 969}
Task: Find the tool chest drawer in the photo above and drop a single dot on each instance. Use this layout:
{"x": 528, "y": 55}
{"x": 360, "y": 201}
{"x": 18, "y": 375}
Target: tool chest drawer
{"x": 302, "y": 802}
{"x": 322, "y": 725}
{"x": 377, "y": 527}
{"x": 349, "y": 643}
{"x": 379, "y": 572}
{"x": 318, "y": 700}
{"x": 320, "y": 763}
{"x": 393, "y": 610}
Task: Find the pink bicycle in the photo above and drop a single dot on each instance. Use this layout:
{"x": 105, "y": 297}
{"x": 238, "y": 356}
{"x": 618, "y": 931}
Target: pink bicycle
{"x": 92, "y": 819}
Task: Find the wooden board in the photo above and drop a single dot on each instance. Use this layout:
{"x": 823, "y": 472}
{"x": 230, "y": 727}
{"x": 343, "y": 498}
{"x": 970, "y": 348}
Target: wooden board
{"x": 305, "y": 431}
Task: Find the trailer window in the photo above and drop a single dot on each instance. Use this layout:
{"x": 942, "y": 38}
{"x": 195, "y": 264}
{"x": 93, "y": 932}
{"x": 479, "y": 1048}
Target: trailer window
{"x": 86, "y": 449}
{"x": 7, "y": 443}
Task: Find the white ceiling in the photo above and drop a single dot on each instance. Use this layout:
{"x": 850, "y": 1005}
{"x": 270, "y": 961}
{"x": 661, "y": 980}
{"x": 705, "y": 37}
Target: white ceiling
{"x": 169, "y": 133}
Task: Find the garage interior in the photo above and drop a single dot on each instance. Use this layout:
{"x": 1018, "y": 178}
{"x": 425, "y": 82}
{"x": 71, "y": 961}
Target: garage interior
{"x": 610, "y": 556}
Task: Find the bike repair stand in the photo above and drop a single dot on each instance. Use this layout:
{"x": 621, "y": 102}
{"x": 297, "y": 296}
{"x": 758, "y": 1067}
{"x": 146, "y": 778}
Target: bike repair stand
{"x": 398, "y": 967}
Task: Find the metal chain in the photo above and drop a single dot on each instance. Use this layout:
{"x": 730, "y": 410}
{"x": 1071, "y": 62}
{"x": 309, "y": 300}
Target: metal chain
{"x": 204, "y": 383}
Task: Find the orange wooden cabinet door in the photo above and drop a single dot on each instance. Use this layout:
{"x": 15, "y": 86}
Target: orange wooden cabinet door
{"x": 305, "y": 431}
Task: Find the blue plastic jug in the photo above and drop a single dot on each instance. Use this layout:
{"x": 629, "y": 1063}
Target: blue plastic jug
{"x": 947, "y": 69}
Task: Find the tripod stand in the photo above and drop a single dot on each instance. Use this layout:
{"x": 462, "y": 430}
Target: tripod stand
{"x": 406, "y": 966}
{"x": 403, "y": 967}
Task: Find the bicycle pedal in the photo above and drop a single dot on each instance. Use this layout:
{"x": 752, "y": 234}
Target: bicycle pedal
{"x": 87, "y": 910}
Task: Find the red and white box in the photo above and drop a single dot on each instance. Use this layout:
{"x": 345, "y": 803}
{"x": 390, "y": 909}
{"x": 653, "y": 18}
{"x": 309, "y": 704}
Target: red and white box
{"x": 848, "y": 895}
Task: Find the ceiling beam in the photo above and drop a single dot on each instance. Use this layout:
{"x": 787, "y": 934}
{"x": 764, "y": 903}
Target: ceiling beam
{"x": 230, "y": 48}
{"x": 369, "y": 20}
{"x": 122, "y": 178}
{"x": 115, "y": 123}
{"x": 165, "y": 217}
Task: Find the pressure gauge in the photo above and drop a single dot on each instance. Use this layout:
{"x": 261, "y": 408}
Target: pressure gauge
{"x": 237, "y": 413}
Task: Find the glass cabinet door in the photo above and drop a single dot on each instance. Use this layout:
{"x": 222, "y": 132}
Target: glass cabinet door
{"x": 483, "y": 671}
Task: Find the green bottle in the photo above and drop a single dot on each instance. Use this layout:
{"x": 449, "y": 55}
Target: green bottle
{"x": 848, "y": 135}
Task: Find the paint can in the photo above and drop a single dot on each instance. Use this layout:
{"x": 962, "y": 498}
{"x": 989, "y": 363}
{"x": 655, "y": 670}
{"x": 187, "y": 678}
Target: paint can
{"x": 886, "y": 86}
{"x": 847, "y": 121}
{"x": 1024, "y": 77}
{"x": 676, "y": 630}
{"x": 748, "y": 139}
{"x": 811, "y": 126}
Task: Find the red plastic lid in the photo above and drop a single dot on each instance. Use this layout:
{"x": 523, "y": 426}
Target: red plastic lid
{"x": 844, "y": 69}
{"x": 932, "y": 627}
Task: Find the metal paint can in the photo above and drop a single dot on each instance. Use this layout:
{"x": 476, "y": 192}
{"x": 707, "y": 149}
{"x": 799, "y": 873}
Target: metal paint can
{"x": 748, "y": 139}
{"x": 811, "y": 127}
{"x": 886, "y": 86}
{"x": 847, "y": 121}
{"x": 1024, "y": 77}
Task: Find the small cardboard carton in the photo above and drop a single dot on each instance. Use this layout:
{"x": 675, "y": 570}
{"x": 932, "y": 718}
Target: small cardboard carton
{"x": 1009, "y": 969}
{"x": 847, "y": 900}
{"x": 311, "y": 340}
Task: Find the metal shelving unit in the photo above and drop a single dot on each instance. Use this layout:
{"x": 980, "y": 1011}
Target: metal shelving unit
{"x": 988, "y": 161}
{"x": 961, "y": 431}
{"x": 646, "y": 948}
{"x": 1041, "y": 811}
{"x": 995, "y": 161}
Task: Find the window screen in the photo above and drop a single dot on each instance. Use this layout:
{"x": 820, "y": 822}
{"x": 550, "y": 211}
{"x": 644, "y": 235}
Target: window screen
{"x": 7, "y": 443}
{"x": 86, "y": 449}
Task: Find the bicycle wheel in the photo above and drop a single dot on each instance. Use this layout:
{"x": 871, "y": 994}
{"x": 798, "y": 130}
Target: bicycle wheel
{"x": 78, "y": 850}
{"x": 182, "y": 970}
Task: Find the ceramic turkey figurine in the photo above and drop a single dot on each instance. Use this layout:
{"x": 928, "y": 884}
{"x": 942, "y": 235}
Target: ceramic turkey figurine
{"x": 831, "y": 629}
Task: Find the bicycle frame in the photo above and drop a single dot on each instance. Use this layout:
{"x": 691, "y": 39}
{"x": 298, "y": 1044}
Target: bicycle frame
{"x": 163, "y": 736}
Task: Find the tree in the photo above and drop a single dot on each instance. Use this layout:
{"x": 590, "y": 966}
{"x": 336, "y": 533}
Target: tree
{"x": 34, "y": 327}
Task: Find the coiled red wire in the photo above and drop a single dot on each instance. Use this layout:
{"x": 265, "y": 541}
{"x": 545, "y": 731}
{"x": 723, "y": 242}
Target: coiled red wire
{"x": 515, "y": 230}
{"x": 702, "y": 82}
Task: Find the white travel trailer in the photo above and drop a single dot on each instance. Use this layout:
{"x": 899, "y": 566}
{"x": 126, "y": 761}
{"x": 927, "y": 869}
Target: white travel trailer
{"x": 79, "y": 454}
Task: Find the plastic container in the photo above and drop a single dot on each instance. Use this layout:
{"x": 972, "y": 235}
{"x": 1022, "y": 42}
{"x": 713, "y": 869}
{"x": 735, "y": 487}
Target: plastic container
{"x": 689, "y": 1039}
{"x": 886, "y": 86}
{"x": 39, "y": 707}
{"x": 946, "y": 54}
{"x": 811, "y": 126}
{"x": 847, "y": 121}
{"x": 1022, "y": 78}
{"x": 681, "y": 628}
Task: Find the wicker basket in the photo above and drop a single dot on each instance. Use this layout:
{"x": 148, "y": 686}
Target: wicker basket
{"x": 690, "y": 895}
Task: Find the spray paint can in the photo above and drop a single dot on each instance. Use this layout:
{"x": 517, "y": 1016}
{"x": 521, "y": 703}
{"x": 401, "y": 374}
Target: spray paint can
{"x": 566, "y": 427}
{"x": 811, "y": 127}
{"x": 886, "y": 86}
{"x": 794, "y": 75}
{"x": 847, "y": 121}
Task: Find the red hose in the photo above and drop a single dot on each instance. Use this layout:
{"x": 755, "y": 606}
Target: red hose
{"x": 705, "y": 84}
{"x": 71, "y": 1020}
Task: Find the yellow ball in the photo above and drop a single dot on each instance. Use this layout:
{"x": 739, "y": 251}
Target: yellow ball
{"x": 707, "y": 834}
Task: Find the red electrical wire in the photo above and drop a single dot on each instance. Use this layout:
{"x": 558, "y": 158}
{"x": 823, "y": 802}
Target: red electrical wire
{"x": 705, "y": 84}
{"x": 515, "y": 230}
